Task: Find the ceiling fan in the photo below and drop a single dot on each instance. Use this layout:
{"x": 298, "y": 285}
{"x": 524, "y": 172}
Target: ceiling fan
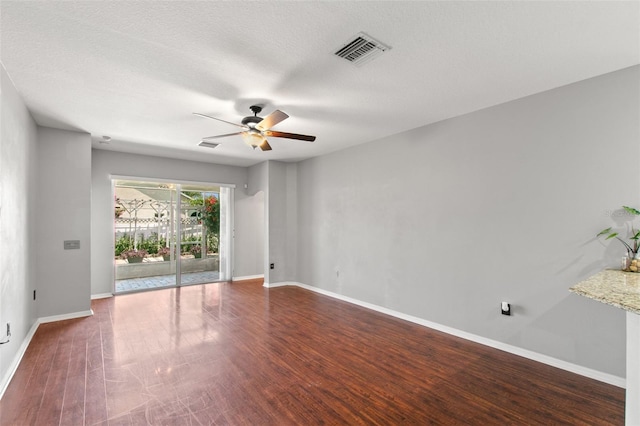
{"x": 255, "y": 129}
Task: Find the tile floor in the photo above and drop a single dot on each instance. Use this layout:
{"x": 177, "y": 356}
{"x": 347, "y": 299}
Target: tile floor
{"x": 134, "y": 284}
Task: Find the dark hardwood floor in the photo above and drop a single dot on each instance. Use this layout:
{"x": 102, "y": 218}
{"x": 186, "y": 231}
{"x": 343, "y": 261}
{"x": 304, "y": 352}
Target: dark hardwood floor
{"x": 240, "y": 354}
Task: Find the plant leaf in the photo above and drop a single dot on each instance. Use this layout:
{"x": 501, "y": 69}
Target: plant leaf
{"x": 632, "y": 210}
{"x": 612, "y": 235}
{"x": 604, "y": 231}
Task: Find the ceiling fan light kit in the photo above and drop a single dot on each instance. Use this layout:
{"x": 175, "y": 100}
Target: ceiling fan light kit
{"x": 255, "y": 129}
{"x": 254, "y": 139}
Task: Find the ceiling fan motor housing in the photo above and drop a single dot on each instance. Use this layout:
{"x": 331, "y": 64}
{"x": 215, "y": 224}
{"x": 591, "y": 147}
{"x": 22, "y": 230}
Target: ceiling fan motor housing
{"x": 251, "y": 121}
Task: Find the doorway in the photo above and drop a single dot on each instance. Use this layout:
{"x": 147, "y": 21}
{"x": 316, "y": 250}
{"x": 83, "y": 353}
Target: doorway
{"x": 169, "y": 234}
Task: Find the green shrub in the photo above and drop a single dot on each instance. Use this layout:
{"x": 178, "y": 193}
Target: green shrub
{"x": 207, "y": 210}
{"x": 150, "y": 245}
{"x": 123, "y": 243}
{"x": 185, "y": 248}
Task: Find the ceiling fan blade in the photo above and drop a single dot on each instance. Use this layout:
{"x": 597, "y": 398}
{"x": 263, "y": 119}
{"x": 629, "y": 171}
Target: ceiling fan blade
{"x": 265, "y": 145}
{"x": 271, "y": 120}
{"x": 276, "y": 134}
{"x": 222, "y": 136}
{"x": 218, "y": 119}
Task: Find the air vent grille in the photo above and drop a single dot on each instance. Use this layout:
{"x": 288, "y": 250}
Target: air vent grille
{"x": 208, "y": 144}
{"x": 361, "y": 49}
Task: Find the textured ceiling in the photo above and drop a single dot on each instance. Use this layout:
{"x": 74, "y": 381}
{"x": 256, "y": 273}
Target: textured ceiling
{"x": 137, "y": 70}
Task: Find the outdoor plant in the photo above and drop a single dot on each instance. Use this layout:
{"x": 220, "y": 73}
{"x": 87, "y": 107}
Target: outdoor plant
{"x": 196, "y": 250}
{"x": 125, "y": 243}
{"x": 122, "y": 244}
{"x": 208, "y": 213}
{"x": 185, "y": 247}
{"x": 211, "y": 215}
{"x": 164, "y": 251}
{"x": 134, "y": 254}
{"x": 634, "y": 236}
{"x": 151, "y": 244}
{"x": 212, "y": 243}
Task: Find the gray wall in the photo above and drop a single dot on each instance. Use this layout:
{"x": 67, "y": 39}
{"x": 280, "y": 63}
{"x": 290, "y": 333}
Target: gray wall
{"x": 291, "y": 221}
{"x": 250, "y": 212}
{"x": 63, "y": 213}
{"x": 278, "y": 182}
{"x": 281, "y": 203}
{"x": 18, "y": 175}
{"x": 258, "y": 186}
{"x": 107, "y": 163}
{"x": 446, "y": 221}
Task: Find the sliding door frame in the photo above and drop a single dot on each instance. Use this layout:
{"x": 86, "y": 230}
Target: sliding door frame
{"x": 228, "y": 272}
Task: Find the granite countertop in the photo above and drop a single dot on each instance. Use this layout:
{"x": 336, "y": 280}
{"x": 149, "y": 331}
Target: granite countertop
{"x": 613, "y": 287}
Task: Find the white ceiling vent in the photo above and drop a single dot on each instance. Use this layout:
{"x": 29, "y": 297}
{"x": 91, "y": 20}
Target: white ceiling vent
{"x": 361, "y": 49}
{"x": 207, "y": 144}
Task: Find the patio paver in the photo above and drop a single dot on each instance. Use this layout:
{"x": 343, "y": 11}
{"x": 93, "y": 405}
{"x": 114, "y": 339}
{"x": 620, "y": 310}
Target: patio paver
{"x": 160, "y": 281}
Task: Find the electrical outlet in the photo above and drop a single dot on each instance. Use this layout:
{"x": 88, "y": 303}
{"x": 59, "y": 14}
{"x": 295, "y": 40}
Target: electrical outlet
{"x": 272, "y": 266}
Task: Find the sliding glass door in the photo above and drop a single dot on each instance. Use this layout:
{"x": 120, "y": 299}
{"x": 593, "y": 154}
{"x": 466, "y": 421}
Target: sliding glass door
{"x": 170, "y": 234}
{"x": 204, "y": 239}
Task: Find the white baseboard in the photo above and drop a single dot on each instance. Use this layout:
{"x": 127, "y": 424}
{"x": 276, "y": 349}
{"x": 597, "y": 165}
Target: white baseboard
{"x": 63, "y": 317}
{"x": 280, "y": 284}
{"x": 525, "y": 353}
{"x": 27, "y": 340}
{"x": 247, "y": 277}
{"x": 13, "y": 367}
{"x": 101, "y": 296}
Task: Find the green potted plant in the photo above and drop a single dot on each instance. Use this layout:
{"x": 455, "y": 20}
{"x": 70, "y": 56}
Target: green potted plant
{"x": 196, "y": 251}
{"x": 134, "y": 256}
{"x": 165, "y": 252}
{"x": 632, "y": 260}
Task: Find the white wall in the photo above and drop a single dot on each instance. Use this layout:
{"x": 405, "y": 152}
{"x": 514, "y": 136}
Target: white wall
{"x": 63, "y": 213}
{"x": 446, "y": 221}
{"x": 18, "y": 174}
{"x": 107, "y": 163}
